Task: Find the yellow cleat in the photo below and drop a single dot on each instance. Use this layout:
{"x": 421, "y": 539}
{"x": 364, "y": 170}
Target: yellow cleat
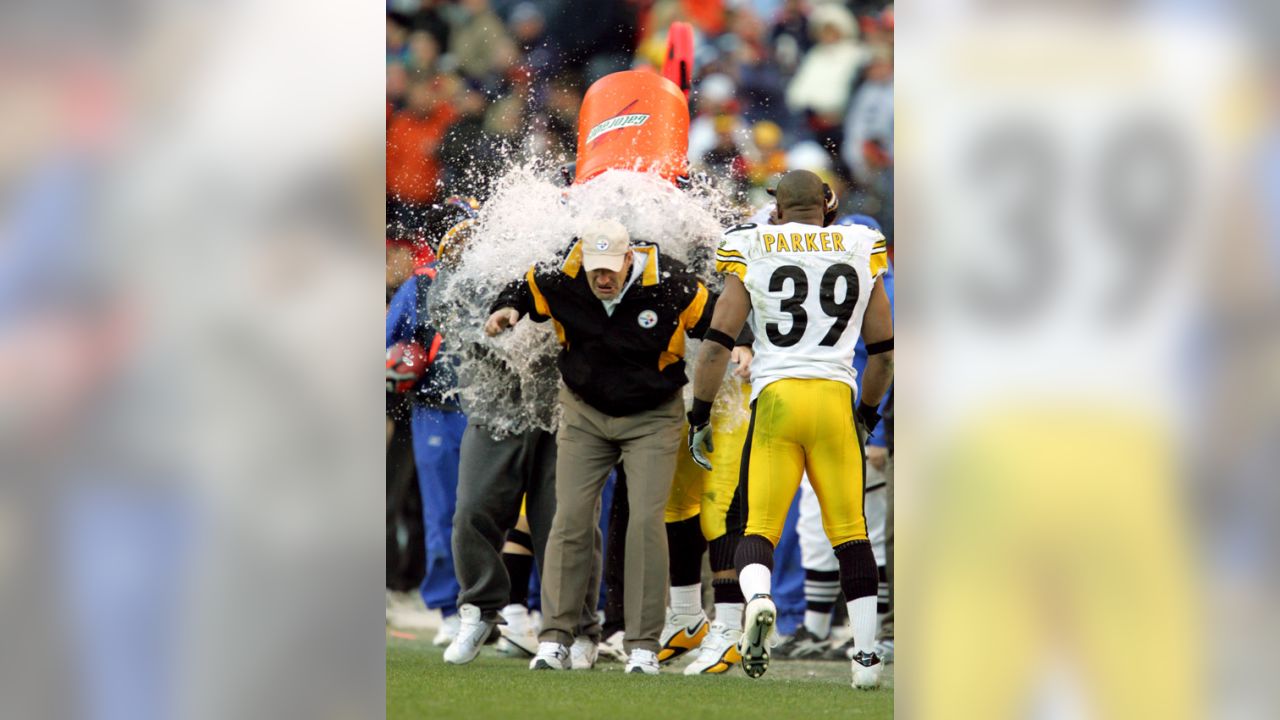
{"x": 681, "y": 634}
{"x": 718, "y": 652}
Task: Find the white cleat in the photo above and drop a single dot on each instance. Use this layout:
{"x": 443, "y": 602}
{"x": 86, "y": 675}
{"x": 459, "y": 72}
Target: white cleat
{"x": 680, "y": 634}
{"x": 583, "y": 653}
{"x": 866, "y": 670}
{"x": 613, "y": 648}
{"x": 551, "y": 656}
{"x": 518, "y": 634}
{"x": 448, "y": 630}
{"x": 642, "y": 661}
{"x": 759, "y": 633}
{"x": 473, "y": 630}
{"x": 717, "y": 653}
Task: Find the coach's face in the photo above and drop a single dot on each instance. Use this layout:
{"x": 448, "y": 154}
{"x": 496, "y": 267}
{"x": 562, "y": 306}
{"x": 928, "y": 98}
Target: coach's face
{"x": 605, "y": 283}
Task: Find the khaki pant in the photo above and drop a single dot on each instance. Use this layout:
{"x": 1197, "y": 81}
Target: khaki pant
{"x": 589, "y": 444}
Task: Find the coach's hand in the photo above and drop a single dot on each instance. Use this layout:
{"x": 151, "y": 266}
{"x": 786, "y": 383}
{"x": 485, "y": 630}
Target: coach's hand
{"x": 742, "y": 356}
{"x": 500, "y": 320}
{"x": 700, "y": 444}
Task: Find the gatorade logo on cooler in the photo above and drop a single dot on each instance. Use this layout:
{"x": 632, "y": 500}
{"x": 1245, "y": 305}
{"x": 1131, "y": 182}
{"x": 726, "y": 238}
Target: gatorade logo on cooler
{"x": 617, "y": 122}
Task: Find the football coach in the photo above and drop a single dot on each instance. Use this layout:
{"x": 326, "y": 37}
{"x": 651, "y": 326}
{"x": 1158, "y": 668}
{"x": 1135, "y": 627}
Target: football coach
{"x": 621, "y": 312}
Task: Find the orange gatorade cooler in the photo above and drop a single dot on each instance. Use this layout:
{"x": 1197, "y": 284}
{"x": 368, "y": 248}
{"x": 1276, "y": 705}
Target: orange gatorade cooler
{"x": 633, "y": 120}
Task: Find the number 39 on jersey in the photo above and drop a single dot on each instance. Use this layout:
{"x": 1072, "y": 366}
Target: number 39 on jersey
{"x": 809, "y": 288}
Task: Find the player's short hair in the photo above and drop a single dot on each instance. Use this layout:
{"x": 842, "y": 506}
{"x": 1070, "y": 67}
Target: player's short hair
{"x": 800, "y": 189}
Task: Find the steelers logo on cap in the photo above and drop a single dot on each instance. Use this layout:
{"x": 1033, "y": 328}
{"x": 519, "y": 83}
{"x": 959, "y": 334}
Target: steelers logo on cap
{"x": 602, "y": 244}
{"x": 647, "y": 319}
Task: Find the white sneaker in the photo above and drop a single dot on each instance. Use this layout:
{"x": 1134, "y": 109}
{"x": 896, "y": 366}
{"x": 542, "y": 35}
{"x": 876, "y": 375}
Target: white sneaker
{"x": 406, "y": 611}
{"x": 448, "y": 630}
{"x": 866, "y": 670}
{"x": 551, "y": 656}
{"x": 717, "y": 653}
{"x": 680, "y": 634}
{"x": 473, "y": 630}
{"x": 518, "y": 634}
{"x": 758, "y": 634}
{"x": 583, "y": 653}
{"x": 613, "y": 649}
{"x": 643, "y": 661}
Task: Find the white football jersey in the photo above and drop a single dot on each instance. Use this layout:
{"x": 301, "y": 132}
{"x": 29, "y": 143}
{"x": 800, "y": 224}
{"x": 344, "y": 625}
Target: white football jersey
{"x": 809, "y": 289}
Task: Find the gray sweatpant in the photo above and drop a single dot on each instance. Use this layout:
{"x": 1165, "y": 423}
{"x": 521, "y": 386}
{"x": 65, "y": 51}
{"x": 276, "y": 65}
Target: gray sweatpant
{"x": 492, "y": 476}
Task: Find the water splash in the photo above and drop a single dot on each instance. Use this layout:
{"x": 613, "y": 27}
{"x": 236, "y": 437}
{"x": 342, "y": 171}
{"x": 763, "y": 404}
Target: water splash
{"x": 530, "y": 219}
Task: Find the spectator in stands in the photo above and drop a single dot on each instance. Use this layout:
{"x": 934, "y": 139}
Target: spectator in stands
{"x": 423, "y": 51}
{"x": 771, "y": 159}
{"x": 397, "y": 39}
{"x": 470, "y": 157}
{"x": 820, "y": 89}
{"x": 716, "y": 98}
{"x": 479, "y": 42}
{"x": 413, "y": 137}
{"x": 868, "y": 128}
{"x": 397, "y": 87}
{"x": 528, "y": 27}
{"x": 790, "y": 35}
{"x": 750, "y": 62}
{"x": 726, "y": 158}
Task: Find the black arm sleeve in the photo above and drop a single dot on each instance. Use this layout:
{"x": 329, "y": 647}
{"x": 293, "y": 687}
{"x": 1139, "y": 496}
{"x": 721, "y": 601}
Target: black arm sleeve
{"x": 517, "y": 294}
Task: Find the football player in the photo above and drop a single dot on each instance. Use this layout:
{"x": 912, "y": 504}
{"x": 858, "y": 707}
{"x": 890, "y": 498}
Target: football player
{"x": 812, "y": 290}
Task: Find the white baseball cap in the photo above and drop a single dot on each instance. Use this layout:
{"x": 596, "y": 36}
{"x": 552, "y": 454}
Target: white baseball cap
{"x": 605, "y": 244}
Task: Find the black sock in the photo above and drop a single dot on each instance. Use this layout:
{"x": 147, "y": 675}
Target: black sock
{"x": 859, "y": 576}
{"x": 752, "y": 550}
{"x": 727, "y": 590}
{"x": 519, "y": 568}
{"x": 685, "y": 545}
{"x": 722, "y": 550}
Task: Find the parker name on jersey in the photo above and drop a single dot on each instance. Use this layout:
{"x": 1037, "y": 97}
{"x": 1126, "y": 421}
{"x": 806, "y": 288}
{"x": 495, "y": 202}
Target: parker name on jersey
{"x": 809, "y": 289}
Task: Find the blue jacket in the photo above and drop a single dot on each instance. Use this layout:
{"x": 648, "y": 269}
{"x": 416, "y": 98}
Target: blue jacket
{"x": 409, "y": 319}
{"x": 860, "y": 362}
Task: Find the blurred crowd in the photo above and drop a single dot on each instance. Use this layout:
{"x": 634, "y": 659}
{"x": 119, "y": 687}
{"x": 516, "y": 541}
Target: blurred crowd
{"x": 475, "y": 84}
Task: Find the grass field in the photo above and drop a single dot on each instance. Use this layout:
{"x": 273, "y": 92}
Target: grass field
{"x": 420, "y": 685}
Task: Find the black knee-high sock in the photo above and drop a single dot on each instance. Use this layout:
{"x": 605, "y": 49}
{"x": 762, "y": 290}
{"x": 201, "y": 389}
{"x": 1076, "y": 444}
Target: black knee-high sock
{"x": 722, "y": 551}
{"x": 519, "y": 567}
{"x": 859, "y": 576}
{"x": 727, "y": 590}
{"x": 752, "y": 550}
{"x": 685, "y": 545}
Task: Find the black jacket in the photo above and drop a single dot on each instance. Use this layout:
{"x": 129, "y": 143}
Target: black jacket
{"x": 633, "y": 360}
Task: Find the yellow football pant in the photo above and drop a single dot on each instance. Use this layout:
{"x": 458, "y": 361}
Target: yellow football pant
{"x": 799, "y": 426}
{"x": 695, "y": 491}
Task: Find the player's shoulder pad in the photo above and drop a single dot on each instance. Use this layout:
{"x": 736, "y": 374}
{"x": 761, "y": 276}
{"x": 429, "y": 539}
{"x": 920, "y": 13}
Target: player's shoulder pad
{"x": 741, "y": 227}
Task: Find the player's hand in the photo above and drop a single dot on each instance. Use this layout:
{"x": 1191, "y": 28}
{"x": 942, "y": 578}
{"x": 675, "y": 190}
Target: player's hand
{"x": 500, "y": 320}
{"x": 867, "y": 417}
{"x": 742, "y": 356}
{"x": 877, "y": 457}
{"x": 700, "y": 444}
